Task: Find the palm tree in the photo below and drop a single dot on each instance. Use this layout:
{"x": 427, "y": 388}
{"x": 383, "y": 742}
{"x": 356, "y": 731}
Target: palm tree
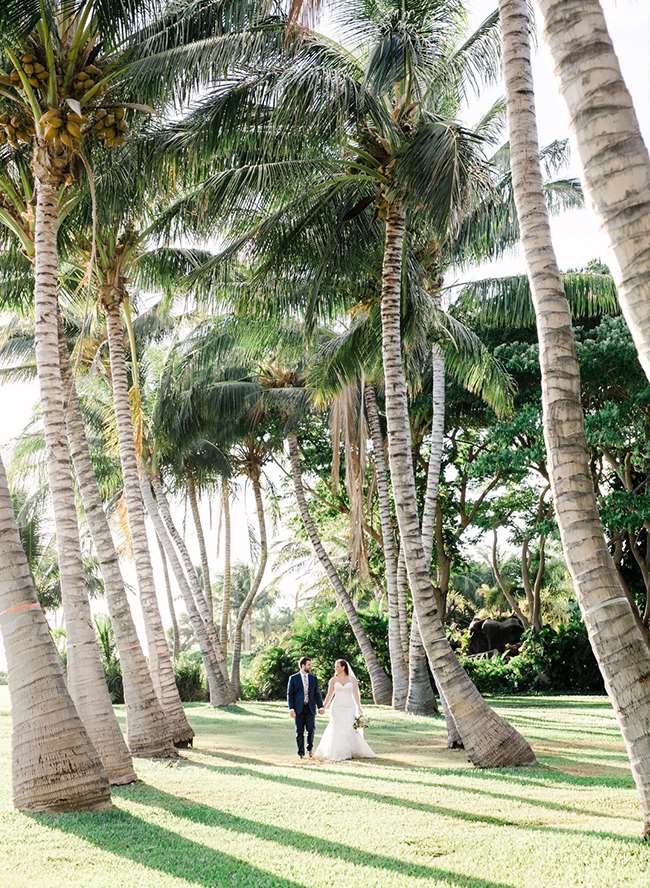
{"x": 147, "y": 731}
{"x": 251, "y": 462}
{"x": 381, "y": 684}
{"x": 203, "y": 550}
{"x": 211, "y": 652}
{"x": 399, "y": 672}
{"x": 227, "y": 563}
{"x": 54, "y": 764}
{"x": 615, "y": 158}
{"x": 619, "y": 647}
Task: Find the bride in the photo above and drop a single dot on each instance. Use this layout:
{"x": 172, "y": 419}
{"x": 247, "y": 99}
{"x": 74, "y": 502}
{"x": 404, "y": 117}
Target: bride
{"x": 340, "y": 741}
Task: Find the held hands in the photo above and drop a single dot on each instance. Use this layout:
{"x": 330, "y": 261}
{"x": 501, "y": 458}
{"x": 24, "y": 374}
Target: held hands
{"x": 321, "y": 711}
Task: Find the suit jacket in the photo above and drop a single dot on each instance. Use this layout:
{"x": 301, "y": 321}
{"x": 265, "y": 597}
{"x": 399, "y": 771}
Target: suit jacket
{"x": 296, "y": 694}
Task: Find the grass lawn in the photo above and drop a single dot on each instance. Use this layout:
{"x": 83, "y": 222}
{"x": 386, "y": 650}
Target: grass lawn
{"x": 239, "y": 810}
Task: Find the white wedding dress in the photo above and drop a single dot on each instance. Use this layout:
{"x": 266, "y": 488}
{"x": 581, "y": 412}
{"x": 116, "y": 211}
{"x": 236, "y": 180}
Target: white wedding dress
{"x": 340, "y": 741}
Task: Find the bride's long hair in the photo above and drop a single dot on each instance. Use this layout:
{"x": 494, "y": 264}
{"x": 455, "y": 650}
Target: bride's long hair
{"x": 348, "y": 669}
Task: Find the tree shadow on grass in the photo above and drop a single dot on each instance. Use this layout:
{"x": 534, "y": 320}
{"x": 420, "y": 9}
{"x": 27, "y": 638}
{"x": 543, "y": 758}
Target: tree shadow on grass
{"x": 487, "y": 793}
{"x": 120, "y": 833}
{"x": 540, "y": 776}
{"x": 548, "y": 703}
{"x": 424, "y": 807}
{"x": 210, "y": 816}
{"x": 470, "y": 790}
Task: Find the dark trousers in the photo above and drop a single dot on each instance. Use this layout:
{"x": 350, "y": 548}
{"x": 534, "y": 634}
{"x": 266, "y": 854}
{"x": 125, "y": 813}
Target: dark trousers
{"x": 305, "y": 721}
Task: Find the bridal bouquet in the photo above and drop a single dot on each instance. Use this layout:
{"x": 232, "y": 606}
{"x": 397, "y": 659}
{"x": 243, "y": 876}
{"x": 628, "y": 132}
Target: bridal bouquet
{"x": 360, "y": 723}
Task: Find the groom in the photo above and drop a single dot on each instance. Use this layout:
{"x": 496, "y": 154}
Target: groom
{"x": 303, "y": 698}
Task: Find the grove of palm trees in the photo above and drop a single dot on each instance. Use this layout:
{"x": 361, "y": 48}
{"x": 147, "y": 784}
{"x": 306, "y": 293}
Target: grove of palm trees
{"x": 324, "y": 373}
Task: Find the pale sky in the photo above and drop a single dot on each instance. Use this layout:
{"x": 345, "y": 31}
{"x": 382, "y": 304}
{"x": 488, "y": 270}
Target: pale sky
{"x": 576, "y": 234}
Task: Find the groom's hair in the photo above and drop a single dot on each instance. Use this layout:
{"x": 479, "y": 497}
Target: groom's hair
{"x": 302, "y": 661}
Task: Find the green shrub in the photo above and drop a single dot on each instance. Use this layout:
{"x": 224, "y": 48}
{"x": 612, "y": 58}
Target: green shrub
{"x": 324, "y": 635}
{"x": 190, "y": 678}
{"x": 113, "y": 675}
{"x": 550, "y": 660}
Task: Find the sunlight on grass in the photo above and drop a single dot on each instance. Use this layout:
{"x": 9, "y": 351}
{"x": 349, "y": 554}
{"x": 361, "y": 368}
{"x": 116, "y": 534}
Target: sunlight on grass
{"x": 239, "y": 810}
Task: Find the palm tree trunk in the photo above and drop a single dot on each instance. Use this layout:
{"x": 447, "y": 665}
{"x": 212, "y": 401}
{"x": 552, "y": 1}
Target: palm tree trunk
{"x": 619, "y": 648}
{"x": 614, "y": 156}
{"x": 382, "y": 691}
{"x": 488, "y": 739}
{"x": 225, "y": 695}
{"x": 397, "y": 665}
{"x": 205, "y": 566}
{"x": 160, "y": 665}
{"x": 247, "y": 603}
{"x": 402, "y": 581}
{"x": 227, "y": 567}
{"x": 176, "y": 640}
{"x": 86, "y": 682}
{"x": 147, "y": 731}
{"x": 219, "y": 691}
{"x": 421, "y": 696}
{"x": 55, "y": 767}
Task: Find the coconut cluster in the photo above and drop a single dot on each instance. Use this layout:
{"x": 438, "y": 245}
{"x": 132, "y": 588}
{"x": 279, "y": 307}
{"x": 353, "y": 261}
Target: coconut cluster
{"x": 15, "y": 129}
{"x": 63, "y": 129}
{"x": 110, "y": 126}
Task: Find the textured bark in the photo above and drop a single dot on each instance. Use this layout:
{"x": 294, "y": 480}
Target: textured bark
{"x": 421, "y": 698}
{"x": 402, "y": 581}
{"x": 55, "y": 767}
{"x": 619, "y": 648}
{"x": 223, "y": 692}
{"x": 205, "y": 566}
{"x": 160, "y": 665}
{"x": 147, "y": 731}
{"x": 247, "y": 603}
{"x": 219, "y": 692}
{"x": 488, "y": 739}
{"x": 381, "y": 685}
{"x": 86, "y": 682}
{"x": 176, "y": 639}
{"x": 398, "y": 668}
{"x": 614, "y": 156}
{"x": 227, "y": 567}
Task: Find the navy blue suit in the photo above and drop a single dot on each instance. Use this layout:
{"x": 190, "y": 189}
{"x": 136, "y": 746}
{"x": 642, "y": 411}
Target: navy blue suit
{"x": 305, "y": 714}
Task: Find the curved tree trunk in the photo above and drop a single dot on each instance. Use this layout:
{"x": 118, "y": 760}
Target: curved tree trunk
{"x": 205, "y": 566}
{"x": 176, "y": 639}
{"x": 382, "y": 691}
{"x": 397, "y": 665}
{"x": 619, "y": 647}
{"x": 502, "y": 582}
{"x": 86, "y": 682}
{"x": 247, "y": 603}
{"x": 224, "y": 695}
{"x": 227, "y": 567}
{"x": 615, "y": 159}
{"x": 160, "y": 665}
{"x": 147, "y": 731}
{"x": 488, "y": 739}
{"x": 55, "y": 767}
{"x": 219, "y": 692}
